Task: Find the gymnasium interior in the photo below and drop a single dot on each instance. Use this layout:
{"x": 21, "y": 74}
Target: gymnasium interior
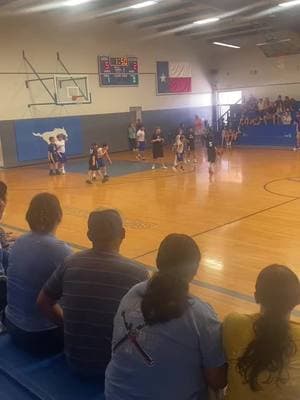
{"x": 87, "y": 69}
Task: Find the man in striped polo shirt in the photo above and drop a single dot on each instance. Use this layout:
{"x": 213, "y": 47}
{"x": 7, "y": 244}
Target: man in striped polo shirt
{"x": 89, "y": 287}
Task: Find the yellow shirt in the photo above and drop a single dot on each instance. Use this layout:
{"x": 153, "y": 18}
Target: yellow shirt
{"x": 237, "y": 334}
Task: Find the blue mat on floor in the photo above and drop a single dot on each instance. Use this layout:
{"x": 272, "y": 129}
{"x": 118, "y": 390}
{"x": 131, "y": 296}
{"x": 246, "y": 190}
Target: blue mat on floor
{"x": 24, "y": 377}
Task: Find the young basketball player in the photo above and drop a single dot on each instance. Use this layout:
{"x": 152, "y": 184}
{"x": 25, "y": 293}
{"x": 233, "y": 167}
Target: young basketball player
{"x": 132, "y": 136}
{"x": 158, "y": 148}
{"x": 211, "y": 152}
{"x": 179, "y": 154}
{"x": 181, "y": 136}
{"x": 141, "y": 142}
{"x": 93, "y": 164}
{"x": 180, "y": 133}
{"x": 92, "y": 147}
{"x": 103, "y": 159}
{"x": 224, "y": 136}
{"x": 297, "y": 124}
{"x": 191, "y": 146}
{"x": 53, "y": 157}
{"x": 61, "y": 152}
{"x": 228, "y": 138}
{"x": 234, "y": 135}
{"x": 185, "y": 148}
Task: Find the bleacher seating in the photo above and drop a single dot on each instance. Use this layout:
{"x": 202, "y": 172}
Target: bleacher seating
{"x": 24, "y": 377}
{"x": 270, "y": 135}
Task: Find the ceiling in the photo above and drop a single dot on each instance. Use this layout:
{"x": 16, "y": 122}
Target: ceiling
{"x": 239, "y": 19}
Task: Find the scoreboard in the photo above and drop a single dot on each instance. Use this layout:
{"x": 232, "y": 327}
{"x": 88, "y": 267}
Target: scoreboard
{"x": 118, "y": 71}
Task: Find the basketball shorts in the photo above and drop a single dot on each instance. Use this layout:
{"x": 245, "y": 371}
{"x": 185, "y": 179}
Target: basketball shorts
{"x": 54, "y": 157}
{"x": 142, "y": 146}
{"x": 101, "y": 163}
{"x": 62, "y": 158}
{"x": 180, "y": 157}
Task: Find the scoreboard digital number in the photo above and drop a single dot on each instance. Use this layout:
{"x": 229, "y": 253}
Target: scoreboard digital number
{"x": 118, "y": 71}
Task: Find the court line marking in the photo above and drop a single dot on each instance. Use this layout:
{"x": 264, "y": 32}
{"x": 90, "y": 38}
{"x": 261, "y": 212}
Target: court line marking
{"x": 292, "y": 179}
{"x": 265, "y": 187}
{"x": 203, "y": 284}
{"x": 229, "y": 223}
{"x": 232, "y": 293}
{"x": 111, "y": 182}
{"x": 128, "y": 181}
{"x": 79, "y": 247}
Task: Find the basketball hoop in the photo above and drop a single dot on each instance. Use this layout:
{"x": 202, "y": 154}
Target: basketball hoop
{"x": 71, "y": 89}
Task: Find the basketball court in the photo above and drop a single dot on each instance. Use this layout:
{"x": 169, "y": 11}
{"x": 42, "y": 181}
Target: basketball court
{"x": 86, "y": 70}
{"x": 243, "y": 218}
{"x": 144, "y": 82}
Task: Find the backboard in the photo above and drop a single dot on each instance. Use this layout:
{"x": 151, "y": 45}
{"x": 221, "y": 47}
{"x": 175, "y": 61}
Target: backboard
{"x": 72, "y": 89}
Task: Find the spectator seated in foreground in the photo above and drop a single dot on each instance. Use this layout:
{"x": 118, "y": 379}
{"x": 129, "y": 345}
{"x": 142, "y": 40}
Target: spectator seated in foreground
{"x": 3, "y": 253}
{"x": 33, "y": 259}
{"x": 167, "y": 344}
{"x": 6, "y": 240}
{"x": 263, "y": 350}
{"x": 89, "y": 286}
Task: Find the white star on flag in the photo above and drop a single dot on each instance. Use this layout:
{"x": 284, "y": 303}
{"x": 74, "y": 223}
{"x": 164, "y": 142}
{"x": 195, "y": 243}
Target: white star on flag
{"x": 163, "y": 78}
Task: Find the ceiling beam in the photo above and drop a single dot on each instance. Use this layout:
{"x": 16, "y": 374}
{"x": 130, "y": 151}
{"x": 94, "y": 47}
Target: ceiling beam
{"x": 165, "y": 10}
{"x": 177, "y": 19}
{"x": 150, "y": 14}
{"x": 165, "y": 20}
{"x": 240, "y": 14}
{"x": 234, "y": 25}
{"x": 237, "y": 34}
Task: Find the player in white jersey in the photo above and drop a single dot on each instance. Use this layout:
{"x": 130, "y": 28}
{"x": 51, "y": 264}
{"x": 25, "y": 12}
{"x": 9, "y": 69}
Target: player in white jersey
{"x": 178, "y": 148}
{"x": 61, "y": 152}
{"x": 141, "y": 142}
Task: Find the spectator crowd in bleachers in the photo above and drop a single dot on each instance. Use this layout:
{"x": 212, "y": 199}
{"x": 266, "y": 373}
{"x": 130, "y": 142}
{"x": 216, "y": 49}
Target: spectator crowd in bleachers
{"x": 146, "y": 337}
{"x": 264, "y": 111}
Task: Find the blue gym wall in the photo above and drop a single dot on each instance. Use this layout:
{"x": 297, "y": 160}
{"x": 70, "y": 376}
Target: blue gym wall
{"x": 32, "y": 136}
{"x": 21, "y": 147}
{"x": 269, "y": 136}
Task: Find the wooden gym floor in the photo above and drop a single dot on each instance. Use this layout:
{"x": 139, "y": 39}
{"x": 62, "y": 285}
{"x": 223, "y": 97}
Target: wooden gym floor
{"x": 244, "y": 218}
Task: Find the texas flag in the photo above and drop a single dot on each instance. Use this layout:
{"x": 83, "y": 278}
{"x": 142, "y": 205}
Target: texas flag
{"x": 174, "y": 77}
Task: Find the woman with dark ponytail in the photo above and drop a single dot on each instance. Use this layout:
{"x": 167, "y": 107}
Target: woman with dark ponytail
{"x": 33, "y": 259}
{"x": 166, "y": 343}
{"x": 263, "y": 350}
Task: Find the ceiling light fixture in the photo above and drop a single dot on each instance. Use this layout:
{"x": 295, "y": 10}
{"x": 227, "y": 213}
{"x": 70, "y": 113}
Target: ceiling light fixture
{"x": 144, "y": 4}
{"x": 288, "y": 4}
{"x": 232, "y": 46}
{"x": 206, "y": 21}
{"x": 270, "y": 42}
{"x": 72, "y": 3}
